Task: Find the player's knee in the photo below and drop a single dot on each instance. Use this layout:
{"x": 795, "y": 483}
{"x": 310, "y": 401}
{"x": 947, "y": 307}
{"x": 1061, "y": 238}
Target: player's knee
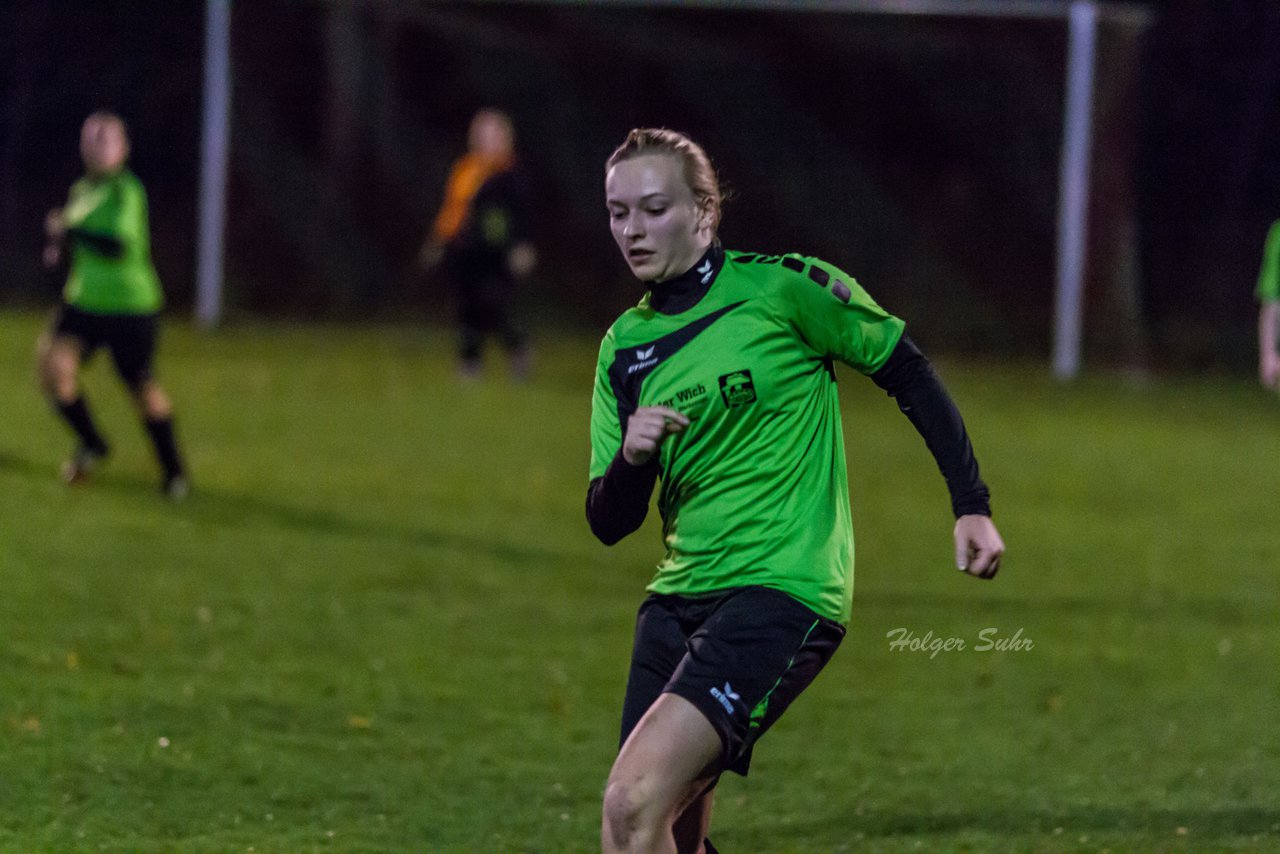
{"x": 45, "y": 375}
{"x": 152, "y": 400}
{"x": 631, "y": 813}
{"x": 57, "y": 372}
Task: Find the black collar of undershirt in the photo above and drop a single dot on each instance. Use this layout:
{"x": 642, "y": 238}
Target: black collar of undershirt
{"x": 686, "y": 290}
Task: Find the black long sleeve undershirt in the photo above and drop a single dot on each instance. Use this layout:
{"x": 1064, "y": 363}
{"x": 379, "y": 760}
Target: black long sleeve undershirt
{"x": 910, "y": 380}
{"x": 618, "y": 502}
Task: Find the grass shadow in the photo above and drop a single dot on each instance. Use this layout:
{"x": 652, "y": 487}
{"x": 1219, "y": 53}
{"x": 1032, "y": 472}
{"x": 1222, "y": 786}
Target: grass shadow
{"x": 11, "y": 462}
{"x": 1200, "y": 822}
{"x": 214, "y": 506}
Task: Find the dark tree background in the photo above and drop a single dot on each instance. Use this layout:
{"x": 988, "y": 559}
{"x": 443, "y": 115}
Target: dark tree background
{"x": 919, "y": 153}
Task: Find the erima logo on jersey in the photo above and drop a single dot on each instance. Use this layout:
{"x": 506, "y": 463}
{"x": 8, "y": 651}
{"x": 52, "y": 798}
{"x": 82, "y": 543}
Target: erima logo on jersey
{"x": 646, "y": 359}
{"x": 706, "y": 270}
{"x": 726, "y": 697}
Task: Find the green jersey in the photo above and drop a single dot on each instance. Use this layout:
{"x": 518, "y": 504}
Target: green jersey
{"x": 110, "y": 209}
{"x": 1269, "y": 276}
{"x": 755, "y": 490}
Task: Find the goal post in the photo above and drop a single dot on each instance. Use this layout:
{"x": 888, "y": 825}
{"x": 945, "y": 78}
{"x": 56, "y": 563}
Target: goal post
{"x": 214, "y": 147}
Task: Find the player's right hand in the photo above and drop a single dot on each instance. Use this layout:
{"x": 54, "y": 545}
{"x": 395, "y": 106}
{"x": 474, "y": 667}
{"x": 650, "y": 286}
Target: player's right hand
{"x": 52, "y": 256}
{"x": 54, "y": 224}
{"x": 647, "y": 429}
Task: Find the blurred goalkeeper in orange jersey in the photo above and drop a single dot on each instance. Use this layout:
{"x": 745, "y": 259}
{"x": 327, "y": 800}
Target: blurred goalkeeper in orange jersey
{"x": 480, "y": 238}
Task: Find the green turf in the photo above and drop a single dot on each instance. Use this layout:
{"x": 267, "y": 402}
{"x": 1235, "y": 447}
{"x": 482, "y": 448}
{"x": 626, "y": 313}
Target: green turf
{"x": 380, "y": 623}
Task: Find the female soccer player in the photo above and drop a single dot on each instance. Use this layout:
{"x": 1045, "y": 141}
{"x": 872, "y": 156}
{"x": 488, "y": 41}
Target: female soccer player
{"x": 1268, "y": 294}
{"x": 112, "y": 299}
{"x": 481, "y": 236}
{"x": 721, "y": 383}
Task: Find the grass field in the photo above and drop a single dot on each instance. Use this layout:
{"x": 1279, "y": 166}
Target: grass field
{"x": 381, "y": 624}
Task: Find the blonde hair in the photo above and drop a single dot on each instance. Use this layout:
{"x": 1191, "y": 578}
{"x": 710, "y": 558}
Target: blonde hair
{"x": 699, "y": 174}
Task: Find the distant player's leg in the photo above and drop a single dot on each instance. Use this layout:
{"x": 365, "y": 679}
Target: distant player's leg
{"x": 470, "y": 335}
{"x": 132, "y": 349}
{"x": 58, "y": 365}
{"x": 466, "y": 274}
{"x": 661, "y": 770}
{"x": 470, "y": 347}
{"x": 515, "y": 342}
{"x": 517, "y": 346}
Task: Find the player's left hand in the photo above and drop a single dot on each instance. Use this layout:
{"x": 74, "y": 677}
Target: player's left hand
{"x": 430, "y": 255}
{"x": 1269, "y": 369}
{"x": 978, "y": 546}
{"x": 55, "y": 226}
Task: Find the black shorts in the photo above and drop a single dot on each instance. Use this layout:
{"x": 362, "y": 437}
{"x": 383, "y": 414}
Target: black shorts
{"x": 741, "y": 658}
{"x": 131, "y": 339}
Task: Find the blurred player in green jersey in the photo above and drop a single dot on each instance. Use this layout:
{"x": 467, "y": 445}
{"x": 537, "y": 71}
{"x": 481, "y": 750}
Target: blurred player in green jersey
{"x": 721, "y": 383}
{"x": 1268, "y": 293}
{"x": 112, "y": 299}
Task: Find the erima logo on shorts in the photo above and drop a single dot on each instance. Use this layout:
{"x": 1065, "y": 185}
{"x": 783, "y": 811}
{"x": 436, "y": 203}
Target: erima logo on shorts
{"x": 645, "y": 357}
{"x": 725, "y": 697}
{"x": 737, "y": 389}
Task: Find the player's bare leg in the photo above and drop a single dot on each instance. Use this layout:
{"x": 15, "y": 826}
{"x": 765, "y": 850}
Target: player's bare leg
{"x": 58, "y": 368}
{"x": 152, "y": 402}
{"x": 659, "y": 779}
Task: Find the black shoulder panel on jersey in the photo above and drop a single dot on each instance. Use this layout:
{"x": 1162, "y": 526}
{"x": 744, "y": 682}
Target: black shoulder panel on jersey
{"x": 632, "y": 364}
{"x": 745, "y": 259}
{"x": 819, "y": 275}
{"x": 793, "y": 264}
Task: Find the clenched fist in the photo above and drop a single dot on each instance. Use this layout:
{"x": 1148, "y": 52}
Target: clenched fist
{"x": 647, "y": 429}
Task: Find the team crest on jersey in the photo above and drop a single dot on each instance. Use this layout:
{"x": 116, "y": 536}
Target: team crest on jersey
{"x": 737, "y": 389}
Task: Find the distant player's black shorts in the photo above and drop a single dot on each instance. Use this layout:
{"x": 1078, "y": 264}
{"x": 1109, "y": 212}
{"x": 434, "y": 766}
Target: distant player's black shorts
{"x": 131, "y": 339}
{"x": 740, "y": 658}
